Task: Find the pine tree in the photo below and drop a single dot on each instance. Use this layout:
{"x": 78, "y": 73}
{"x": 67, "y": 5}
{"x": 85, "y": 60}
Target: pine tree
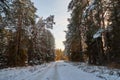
{"x": 115, "y": 19}
{"x": 74, "y": 40}
{"x": 42, "y": 42}
{"x": 4, "y": 16}
{"x": 22, "y": 20}
{"x": 93, "y": 22}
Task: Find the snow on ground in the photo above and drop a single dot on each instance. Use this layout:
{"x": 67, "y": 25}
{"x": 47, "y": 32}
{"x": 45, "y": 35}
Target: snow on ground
{"x": 21, "y": 73}
{"x": 100, "y": 71}
{"x": 69, "y": 72}
{"x": 60, "y": 71}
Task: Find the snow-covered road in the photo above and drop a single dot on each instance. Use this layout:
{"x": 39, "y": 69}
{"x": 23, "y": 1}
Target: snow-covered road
{"x": 62, "y": 71}
{"x": 65, "y": 71}
{"x": 53, "y": 71}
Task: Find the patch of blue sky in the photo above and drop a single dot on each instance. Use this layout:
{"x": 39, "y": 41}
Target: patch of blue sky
{"x": 59, "y": 9}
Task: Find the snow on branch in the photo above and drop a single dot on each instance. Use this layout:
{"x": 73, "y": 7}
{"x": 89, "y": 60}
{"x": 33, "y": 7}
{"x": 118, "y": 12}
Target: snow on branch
{"x": 89, "y": 8}
{"x": 98, "y": 33}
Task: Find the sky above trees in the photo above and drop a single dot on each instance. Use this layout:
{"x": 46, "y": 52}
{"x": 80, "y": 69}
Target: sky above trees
{"x": 59, "y": 9}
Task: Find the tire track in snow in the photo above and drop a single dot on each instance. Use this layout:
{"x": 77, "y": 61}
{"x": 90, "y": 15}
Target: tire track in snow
{"x": 56, "y": 74}
{"x": 51, "y": 74}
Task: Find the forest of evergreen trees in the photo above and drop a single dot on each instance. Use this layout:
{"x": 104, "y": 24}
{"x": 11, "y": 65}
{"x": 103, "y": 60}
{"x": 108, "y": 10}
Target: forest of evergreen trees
{"x": 93, "y": 33}
{"x": 22, "y": 40}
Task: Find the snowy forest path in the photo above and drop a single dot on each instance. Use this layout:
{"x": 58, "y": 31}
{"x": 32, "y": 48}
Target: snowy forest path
{"x": 62, "y": 71}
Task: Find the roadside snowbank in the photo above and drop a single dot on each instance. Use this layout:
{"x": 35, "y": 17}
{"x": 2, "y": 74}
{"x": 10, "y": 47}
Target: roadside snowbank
{"x": 100, "y": 71}
{"x": 19, "y": 73}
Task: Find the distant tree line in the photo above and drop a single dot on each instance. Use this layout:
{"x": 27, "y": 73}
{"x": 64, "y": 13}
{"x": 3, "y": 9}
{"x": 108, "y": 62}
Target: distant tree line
{"x": 93, "y": 33}
{"x": 22, "y": 41}
{"x": 59, "y": 55}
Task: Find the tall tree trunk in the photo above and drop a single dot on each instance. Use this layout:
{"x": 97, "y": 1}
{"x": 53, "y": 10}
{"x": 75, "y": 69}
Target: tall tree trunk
{"x": 116, "y": 32}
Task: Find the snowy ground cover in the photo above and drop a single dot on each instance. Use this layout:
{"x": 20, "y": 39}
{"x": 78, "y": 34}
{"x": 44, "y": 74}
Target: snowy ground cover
{"x": 60, "y": 71}
{"x": 100, "y": 71}
{"x": 19, "y": 73}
